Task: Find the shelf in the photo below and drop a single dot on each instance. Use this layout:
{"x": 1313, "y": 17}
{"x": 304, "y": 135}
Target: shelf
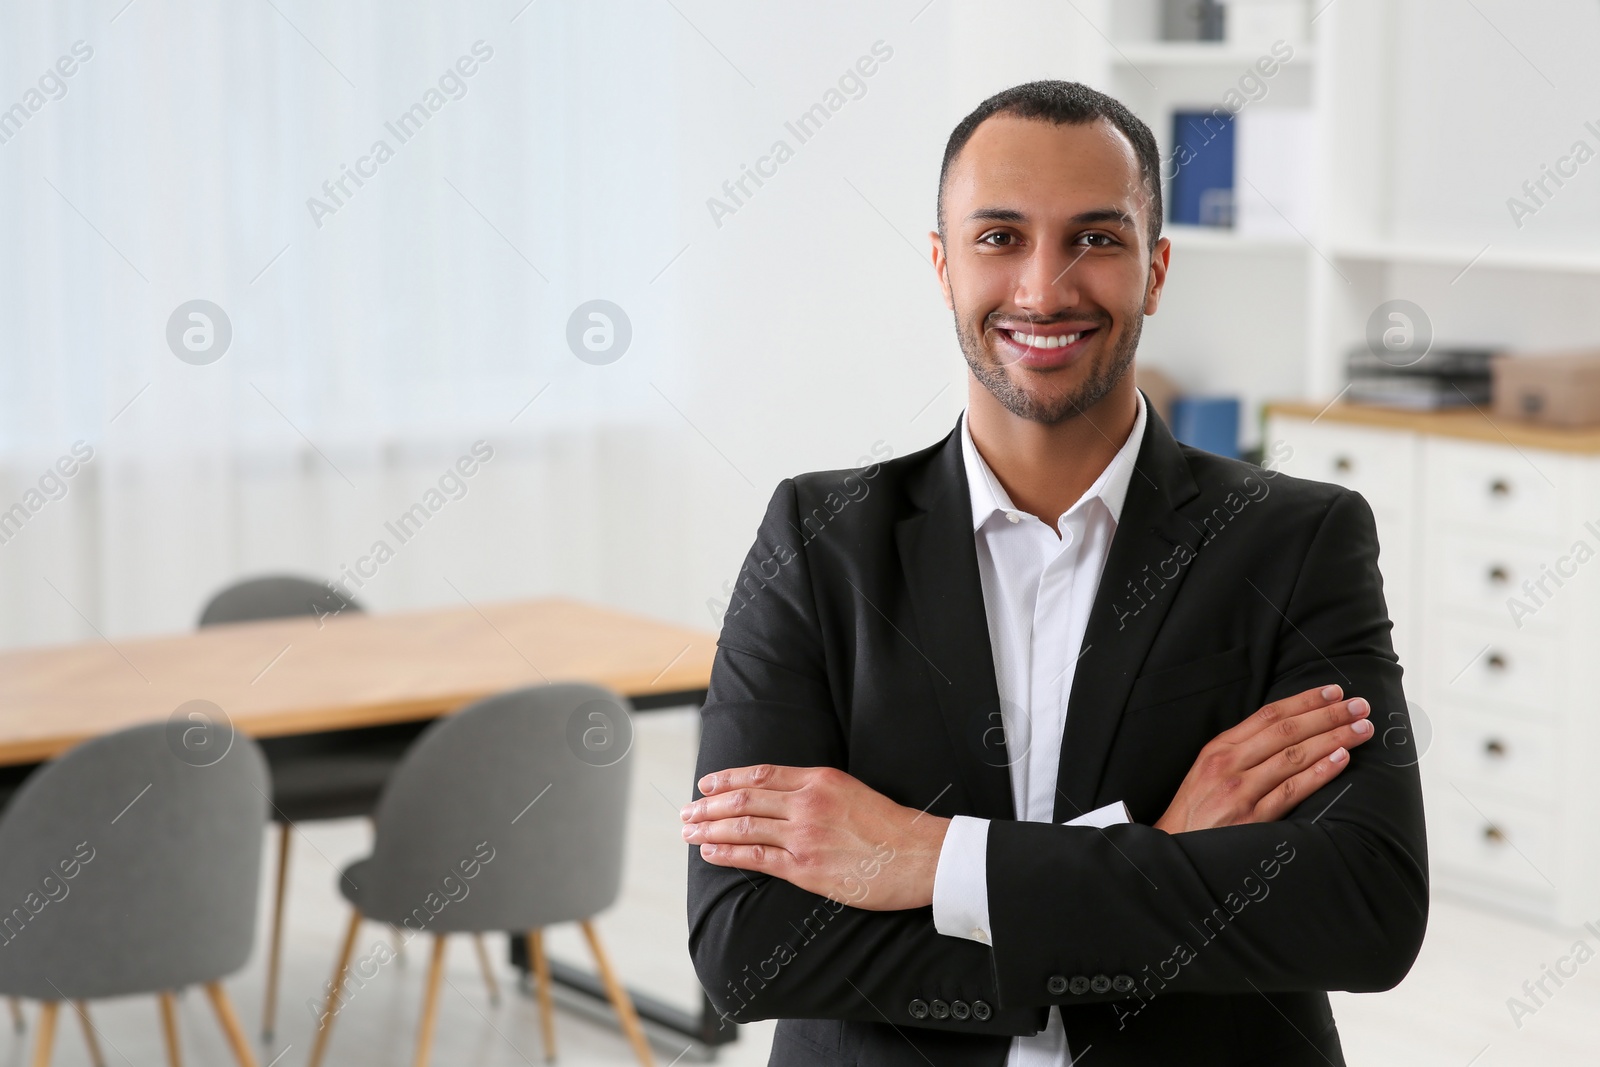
{"x": 1492, "y": 256}
{"x": 1199, "y": 54}
{"x": 1224, "y": 240}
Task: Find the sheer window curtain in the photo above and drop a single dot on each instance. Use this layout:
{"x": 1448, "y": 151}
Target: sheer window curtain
{"x": 375, "y": 340}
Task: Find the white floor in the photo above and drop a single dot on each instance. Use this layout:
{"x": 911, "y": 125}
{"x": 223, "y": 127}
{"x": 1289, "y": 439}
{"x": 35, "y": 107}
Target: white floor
{"x": 1451, "y": 1009}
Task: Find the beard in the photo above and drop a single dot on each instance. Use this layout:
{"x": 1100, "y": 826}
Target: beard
{"x": 1103, "y": 375}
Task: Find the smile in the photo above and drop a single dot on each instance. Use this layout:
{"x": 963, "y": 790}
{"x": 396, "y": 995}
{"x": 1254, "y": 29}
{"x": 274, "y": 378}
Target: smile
{"x": 1045, "y": 348}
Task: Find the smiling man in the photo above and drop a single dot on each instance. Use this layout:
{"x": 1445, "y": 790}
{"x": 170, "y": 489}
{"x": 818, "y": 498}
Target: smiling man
{"x": 1013, "y": 745}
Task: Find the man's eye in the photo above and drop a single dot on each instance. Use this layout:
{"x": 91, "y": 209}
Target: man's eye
{"x": 997, "y": 239}
{"x": 1098, "y": 240}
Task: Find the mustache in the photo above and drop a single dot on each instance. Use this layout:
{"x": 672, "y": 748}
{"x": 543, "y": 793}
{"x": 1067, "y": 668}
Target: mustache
{"x": 994, "y": 320}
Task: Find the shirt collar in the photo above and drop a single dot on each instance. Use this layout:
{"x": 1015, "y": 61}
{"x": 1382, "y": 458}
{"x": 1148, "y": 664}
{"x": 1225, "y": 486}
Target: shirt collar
{"x": 1111, "y": 488}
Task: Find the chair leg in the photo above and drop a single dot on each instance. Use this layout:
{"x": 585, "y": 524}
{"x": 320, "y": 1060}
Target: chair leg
{"x": 47, "y": 1033}
{"x": 325, "y": 1025}
{"x": 230, "y": 1024}
{"x": 17, "y": 1019}
{"x": 399, "y": 944}
{"x": 90, "y": 1038}
{"x": 169, "y": 1028}
{"x": 430, "y": 1001}
{"x": 619, "y": 997}
{"x": 487, "y": 969}
{"x": 269, "y": 1011}
{"x": 541, "y": 976}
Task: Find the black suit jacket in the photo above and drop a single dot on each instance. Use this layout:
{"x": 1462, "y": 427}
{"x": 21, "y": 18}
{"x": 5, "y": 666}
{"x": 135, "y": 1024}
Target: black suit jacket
{"x": 857, "y": 639}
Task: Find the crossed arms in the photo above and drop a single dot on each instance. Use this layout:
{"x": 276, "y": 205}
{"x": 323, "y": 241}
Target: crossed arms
{"x": 810, "y": 892}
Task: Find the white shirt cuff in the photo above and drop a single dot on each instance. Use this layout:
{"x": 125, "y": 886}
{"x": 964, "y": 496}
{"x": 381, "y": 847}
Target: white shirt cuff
{"x": 961, "y": 883}
{"x": 961, "y": 880}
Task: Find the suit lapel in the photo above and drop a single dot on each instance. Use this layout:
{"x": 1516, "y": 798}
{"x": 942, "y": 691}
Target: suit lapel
{"x": 939, "y": 556}
{"x": 1148, "y": 561}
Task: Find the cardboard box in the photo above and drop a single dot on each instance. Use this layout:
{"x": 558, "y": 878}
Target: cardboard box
{"x": 1558, "y": 389}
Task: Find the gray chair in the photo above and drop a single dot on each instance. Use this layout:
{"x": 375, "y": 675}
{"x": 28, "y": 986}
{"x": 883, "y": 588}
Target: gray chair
{"x": 129, "y": 870}
{"x": 333, "y": 775}
{"x": 508, "y": 815}
{"x": 278, "y": 596}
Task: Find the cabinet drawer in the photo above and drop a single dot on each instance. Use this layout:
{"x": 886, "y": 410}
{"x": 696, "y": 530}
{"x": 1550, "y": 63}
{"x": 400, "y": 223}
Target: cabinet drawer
{"x": 1482, "y": 572}
{"x": 1482, "y": 664}
{"x": 1491, "y": 839}
{"x": 1505, "y": 754}
{"x": 1493, "y": 487}
{"x": 1378, "y": 464}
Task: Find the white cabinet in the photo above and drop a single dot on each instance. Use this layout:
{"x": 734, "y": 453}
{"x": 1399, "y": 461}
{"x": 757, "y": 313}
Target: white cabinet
{"x": 1490, "y": 552}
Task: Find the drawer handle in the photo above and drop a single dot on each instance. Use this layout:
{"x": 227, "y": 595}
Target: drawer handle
{"x": 1494, "y": 835}
{"x": 1496, "y": 661}
{"x": 1498, "y": 574}
{"x": 1500, "y": 487}
{"x": 1343, "y": 464}
{"x": 1495, "y": 748}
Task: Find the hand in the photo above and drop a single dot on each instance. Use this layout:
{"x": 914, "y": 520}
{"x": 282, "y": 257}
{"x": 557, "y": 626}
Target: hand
{"x": 1259, "y": 770}
{"x": 820, "y": 829}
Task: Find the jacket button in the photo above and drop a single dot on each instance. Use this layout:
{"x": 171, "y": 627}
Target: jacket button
{"x": 1079, "y": 986}
{"x": 918, "y": 1008}
{"x": 981, "y": 1011}
{"x": 939, "y": 1009}
{"x": 960, "y": 1009}
{"x": 1057, "y": 985}
{"x": 1122, "y": 983}
{"x": 1100, "y": 984}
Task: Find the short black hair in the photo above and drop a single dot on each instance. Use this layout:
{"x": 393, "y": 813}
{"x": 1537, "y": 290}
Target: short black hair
{"x": 1065, "y": 104}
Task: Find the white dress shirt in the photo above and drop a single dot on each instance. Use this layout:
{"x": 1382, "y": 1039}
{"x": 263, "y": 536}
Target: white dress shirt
{"x": 1038, "y": 586}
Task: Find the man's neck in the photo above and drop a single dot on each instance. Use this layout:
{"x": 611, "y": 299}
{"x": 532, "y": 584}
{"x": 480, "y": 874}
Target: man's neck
{"x": 1046, "y": 469}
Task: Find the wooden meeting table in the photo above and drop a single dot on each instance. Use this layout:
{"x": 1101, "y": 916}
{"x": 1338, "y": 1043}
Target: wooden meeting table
{"x": 302, "y": 677}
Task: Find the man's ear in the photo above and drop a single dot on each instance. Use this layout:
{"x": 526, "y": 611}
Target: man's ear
{"x": 1160, "y": 258}
{"x": 941, "y": 267}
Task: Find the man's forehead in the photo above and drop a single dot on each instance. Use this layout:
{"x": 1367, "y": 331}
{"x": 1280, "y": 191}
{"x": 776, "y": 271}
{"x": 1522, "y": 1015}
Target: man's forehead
{"x": 1015, "y": 162}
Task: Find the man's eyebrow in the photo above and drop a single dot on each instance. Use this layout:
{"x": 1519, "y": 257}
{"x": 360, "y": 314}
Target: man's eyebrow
{"x": 1101, "y": 214}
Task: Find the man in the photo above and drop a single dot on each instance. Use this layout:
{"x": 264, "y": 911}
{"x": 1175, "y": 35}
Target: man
{"x": 933, "y": 666}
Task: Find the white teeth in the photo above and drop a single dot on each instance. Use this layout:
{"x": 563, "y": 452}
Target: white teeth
{"x": 1036, "y": 341}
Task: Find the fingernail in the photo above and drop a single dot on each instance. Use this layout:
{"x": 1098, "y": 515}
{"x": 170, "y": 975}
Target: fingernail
{"x": 1359, "y": 706}
{"x": 689, "y": 831}
{"x": 1362, "y": 727}
{"x": 1339, "y": 755}
{"x": 683, "y": 813}
{"x": 1330, "y": 692}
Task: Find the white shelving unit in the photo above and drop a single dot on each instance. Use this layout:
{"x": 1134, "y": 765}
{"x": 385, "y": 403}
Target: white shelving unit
{"x": 1409, "y": 190}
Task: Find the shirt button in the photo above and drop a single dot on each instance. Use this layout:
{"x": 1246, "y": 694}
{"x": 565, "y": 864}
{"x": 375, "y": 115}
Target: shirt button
{"x": 1013, "y": 516}
{"x": 979, "y": 935}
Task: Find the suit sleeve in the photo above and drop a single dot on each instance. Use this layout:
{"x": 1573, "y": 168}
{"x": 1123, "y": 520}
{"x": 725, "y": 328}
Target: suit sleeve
{"x": 764, "y": 948}
{"x": 1334, "y": 897}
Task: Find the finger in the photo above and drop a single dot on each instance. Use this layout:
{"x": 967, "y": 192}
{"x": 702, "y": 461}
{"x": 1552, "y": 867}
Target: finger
{"x": 762, "y": 776}
{"x": 1279, "y": 710}
{"x": 741, "y": 831}
{"x": 760, "y": 858}
{"x": 736, "y": 802}
{"x": 1297, "y": 729}
{"x": 1296, "y": 758}
{"x": 1292, "y": 791}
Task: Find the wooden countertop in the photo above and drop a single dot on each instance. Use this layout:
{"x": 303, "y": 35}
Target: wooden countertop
{"x": 1469, "y": 423}
{"x": 290, "y": 676}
